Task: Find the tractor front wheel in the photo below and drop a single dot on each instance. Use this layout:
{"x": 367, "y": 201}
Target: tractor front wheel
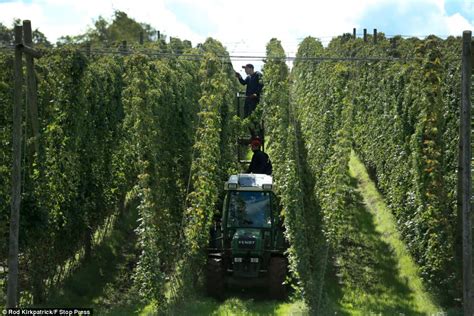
{"x": 215, "y": 284}
{"x": 277, "y": 270}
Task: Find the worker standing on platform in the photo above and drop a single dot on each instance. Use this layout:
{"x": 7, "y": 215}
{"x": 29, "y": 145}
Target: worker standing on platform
{"x": 254, "y": 88}
{"x": 260, "y": 162}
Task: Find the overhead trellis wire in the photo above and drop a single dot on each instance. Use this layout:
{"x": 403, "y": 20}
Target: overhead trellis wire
{"x": 197, "y": 57}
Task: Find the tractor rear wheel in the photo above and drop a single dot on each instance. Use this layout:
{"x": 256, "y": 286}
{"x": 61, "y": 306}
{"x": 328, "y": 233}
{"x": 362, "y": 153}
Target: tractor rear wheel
{"x": 277, "y": 270}
{"x": 215, "y": 284}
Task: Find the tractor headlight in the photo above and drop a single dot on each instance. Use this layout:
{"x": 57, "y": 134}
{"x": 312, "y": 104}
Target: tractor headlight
{"x": 237, "y": 259}
{"x": 254, "y": 260}
{"x": 231, "y": 186}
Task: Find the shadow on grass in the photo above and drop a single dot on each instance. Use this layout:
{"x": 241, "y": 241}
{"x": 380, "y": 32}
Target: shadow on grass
{"x": 333, "y": 293}
{"x": 103, "y": 281}
{"x": 367, "y": 267}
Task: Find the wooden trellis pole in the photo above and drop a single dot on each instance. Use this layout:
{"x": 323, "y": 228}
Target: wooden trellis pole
{"x": 465, "y": 173}
{"x": 12, "y": 289}
{"x": 31, "y": 85}
{"x": 20, "y": 48}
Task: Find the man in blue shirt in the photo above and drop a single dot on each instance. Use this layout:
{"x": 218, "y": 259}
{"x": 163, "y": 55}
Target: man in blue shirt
{"x": 254, "y": 88}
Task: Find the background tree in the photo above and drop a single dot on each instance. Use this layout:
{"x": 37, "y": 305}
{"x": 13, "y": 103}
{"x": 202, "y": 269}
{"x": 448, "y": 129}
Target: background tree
{"x": 7, "y": 35}
{"x": 121, "y": 28}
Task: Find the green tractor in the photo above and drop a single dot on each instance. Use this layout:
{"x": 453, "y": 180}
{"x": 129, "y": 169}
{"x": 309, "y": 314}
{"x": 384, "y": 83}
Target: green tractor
{"x": 247, "y": 246}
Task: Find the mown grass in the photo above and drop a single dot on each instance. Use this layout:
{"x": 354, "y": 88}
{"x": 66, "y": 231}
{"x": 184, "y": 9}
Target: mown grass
{"x": 392, "y": 284}
{"x": 238, "y": 305}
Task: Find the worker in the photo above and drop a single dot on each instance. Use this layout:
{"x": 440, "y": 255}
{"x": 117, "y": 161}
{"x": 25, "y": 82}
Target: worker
{"x": 260, "y": 162}
{"x": 253, "y": 90}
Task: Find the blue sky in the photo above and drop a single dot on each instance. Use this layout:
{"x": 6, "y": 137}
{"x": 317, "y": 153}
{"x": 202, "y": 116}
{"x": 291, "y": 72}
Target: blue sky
{"x": 245, "y": 26}
{"x": 419, "y": 18}
{"x": 465, "y": 8}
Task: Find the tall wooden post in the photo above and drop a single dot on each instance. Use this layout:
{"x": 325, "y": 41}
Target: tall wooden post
{"x": 465, "y": 173}
{"x": 12, "y": 290}
{"x": 354, "y": 35}
{"x": 375, "y": 36}
{"x": 365, "y": 35}
{"x": 32, "y": 98}
{"x": 141, "y": 38}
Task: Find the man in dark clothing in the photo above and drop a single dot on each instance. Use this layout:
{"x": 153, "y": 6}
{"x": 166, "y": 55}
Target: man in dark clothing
{"x": 253, "y": 89}
{"x": 260, "y": 161}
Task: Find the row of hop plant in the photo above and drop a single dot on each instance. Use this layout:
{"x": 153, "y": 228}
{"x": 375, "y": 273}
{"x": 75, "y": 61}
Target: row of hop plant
{"x": 323, "y": 98}
{"x": 67, "y": 187}
{"x": 112, "y": 129}
{"x": 282, "y": 148}
{"x": 214, "y": 159}
{"x": 310, "y": 148}
{"x": 405, "y": 126}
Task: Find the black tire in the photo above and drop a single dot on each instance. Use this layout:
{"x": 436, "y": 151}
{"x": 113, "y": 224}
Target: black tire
{"x": 212, "y": 238}
{"x": 215, "y": 283}
{"x": 277, "y": 270}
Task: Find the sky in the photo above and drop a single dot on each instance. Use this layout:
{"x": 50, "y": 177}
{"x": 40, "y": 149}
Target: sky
{"x": 246, "y": 26}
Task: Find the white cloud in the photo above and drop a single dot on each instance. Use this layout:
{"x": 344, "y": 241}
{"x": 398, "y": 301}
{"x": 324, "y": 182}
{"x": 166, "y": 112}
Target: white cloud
{"x": 44, "y": 15}
{"x": 13, "y": 10}
{"x": 456, "y": 24}
{"x": 154, "y": 13}
{"x": 39, "y": 14}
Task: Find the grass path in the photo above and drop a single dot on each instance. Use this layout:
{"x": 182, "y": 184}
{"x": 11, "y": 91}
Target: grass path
{"x": 242, "y": 304}
{"x": 401, "y": 278}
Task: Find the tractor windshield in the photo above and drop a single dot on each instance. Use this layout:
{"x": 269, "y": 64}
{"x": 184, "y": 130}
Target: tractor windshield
{"x": 249, "y": 209}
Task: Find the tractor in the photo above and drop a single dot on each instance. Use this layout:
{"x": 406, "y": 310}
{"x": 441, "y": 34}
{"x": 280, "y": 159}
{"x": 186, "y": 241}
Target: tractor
{"x": 247, "y": 245}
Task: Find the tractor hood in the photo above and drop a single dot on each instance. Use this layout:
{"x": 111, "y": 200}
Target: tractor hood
{"x": 247, "y": 241}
